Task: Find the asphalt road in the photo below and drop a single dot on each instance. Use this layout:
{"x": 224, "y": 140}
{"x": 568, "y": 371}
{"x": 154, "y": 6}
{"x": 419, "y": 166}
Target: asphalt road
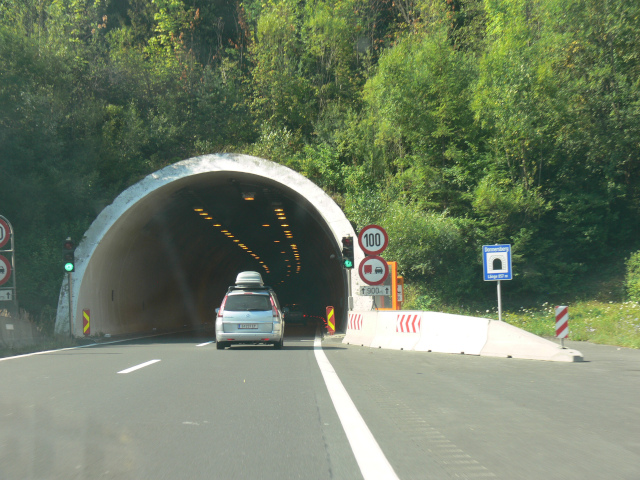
{"x": 259, "y": 413}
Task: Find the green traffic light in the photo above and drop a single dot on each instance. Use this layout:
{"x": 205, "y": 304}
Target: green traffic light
{"x": 68, "y": 267}
{"x": 348, "y": 263}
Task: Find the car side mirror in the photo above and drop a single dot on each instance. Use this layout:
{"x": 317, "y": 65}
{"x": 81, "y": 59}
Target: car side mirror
{"x": 217, "y": 311}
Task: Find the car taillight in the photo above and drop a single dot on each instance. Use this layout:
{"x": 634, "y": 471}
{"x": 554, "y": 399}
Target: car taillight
{"x": 274, "y": 310}
{"x": 222, "y": 306}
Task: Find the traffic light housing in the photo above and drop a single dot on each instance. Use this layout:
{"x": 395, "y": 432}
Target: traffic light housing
{"x": 347, "y": 252}
{"x": 68, "y": 255}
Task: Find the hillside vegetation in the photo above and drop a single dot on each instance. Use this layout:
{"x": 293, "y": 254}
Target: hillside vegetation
{"x": 452, "y": 123}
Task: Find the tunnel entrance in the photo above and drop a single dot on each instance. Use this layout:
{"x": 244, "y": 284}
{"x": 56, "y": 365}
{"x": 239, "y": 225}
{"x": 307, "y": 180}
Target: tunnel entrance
{"x": 163, "y": 254}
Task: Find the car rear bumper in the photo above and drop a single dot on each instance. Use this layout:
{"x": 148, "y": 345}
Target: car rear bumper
{"x": 248, "y": 337}
{"x": 265, "y": 332}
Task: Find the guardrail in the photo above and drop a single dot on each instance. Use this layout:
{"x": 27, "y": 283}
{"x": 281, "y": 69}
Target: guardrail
{"x": 447, "y": 333}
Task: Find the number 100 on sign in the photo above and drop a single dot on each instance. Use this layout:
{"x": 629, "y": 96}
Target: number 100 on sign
{"x": 373, "y": 240}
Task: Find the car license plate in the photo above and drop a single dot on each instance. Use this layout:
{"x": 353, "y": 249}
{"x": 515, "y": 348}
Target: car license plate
{"x": 248, "y": 325}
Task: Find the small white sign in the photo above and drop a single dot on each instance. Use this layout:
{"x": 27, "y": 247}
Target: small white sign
{"x": 9, "y": 326}
{"x": 371, "y": 291}
{"x": 6, "y": 294}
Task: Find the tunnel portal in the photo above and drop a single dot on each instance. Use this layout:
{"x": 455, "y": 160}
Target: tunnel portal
{"x": 162, "y": 255}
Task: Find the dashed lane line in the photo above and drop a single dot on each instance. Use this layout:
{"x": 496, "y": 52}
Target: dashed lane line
{"x": 138, "y": 367}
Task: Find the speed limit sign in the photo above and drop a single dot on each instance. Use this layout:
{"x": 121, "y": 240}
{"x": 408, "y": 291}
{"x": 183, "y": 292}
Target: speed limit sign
{"x": 373, "y": 240}
{"x": 5, "y": 232}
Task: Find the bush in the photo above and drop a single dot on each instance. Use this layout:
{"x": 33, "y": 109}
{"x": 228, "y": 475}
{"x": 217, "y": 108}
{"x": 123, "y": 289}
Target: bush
{"x": 632, "y": 280}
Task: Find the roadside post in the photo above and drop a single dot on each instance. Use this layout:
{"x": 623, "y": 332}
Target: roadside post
{"x": 374, "y": 269}
{"x": 496, "y": 260}
{"x": 331, "y": 321}
{"x": 68, "y": 260}
{"x": 562, "y": 323}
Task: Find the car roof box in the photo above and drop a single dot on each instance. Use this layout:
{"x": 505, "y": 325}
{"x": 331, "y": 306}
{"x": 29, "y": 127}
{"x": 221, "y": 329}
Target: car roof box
{"x": 249, "y": 278}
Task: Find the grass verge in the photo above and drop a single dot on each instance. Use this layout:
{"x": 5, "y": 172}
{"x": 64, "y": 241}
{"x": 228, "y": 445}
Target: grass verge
{"x": 606, "y": 323}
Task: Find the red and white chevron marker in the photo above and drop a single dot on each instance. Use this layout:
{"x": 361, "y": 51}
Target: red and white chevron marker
{"x": 408, "y": 323}
{"x": 562, "y": 322}
{"x": 355, "y": 321}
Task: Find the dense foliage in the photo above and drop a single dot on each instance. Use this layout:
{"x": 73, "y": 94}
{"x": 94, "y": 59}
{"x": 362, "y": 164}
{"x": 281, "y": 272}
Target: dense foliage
{"x": 632, "y": 279}
{"x": 453, "y": 123}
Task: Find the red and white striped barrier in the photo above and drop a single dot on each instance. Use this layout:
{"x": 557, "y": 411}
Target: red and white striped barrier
{"x": 361, "y": 328}
{"x": 355, "y": 321}
{"x": 562, "y": 321}
{"x": 446, "y": 333}
{"x": 397, "y": 330}
{"x": 408, "y": 323}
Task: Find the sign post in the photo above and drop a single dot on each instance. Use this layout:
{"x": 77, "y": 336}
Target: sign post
{"x": 86, "y": 322}
{"x": 8, "y": 266}
{"x": 373, "y": 270}
{"x": 373, "y": 240}
{"x": 562, "y": 323}
{"x": 331, "y": 320}
{"x": 496, "y": 260}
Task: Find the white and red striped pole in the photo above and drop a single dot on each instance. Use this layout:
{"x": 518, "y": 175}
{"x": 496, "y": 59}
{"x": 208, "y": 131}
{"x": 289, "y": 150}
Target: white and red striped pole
{"x": 562, "y": 323}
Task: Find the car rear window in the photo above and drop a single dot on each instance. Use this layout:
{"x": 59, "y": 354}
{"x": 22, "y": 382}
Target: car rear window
{"x": 247, "y": 303}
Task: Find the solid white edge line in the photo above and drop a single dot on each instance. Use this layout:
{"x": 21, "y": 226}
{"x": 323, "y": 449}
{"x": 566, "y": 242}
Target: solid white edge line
{"x": 371, "y": 460}
{"x": 138, "y": 367}
{"x": 203, "y": 344}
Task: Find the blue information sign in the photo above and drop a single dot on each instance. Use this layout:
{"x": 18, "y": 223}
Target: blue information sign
{"x": 497, "y": 262}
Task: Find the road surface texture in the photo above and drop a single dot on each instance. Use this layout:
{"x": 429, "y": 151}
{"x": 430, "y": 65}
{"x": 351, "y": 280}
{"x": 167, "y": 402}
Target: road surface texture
{"x": 174, "y": 407}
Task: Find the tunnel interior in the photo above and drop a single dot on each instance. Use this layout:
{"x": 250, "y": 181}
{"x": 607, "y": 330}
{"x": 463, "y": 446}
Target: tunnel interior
{"x": 169, "y": 259}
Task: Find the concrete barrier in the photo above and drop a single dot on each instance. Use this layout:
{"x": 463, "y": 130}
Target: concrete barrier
{"x": 505, "y": 340}
{"x": 361, "y": 328}
{"x": 397, "y": 330}
{"x": 447, "y": 333}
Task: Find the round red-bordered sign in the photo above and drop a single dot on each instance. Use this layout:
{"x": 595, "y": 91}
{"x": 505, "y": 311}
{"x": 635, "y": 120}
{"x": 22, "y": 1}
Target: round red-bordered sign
{"x": 373, "y": 240}
{"x": 5, "y": 232}
{"x": 373, "y": 270}
{"x": 5, "y": 270}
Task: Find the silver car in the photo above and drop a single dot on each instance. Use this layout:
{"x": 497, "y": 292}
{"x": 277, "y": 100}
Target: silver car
{"x": 249, "y": 314}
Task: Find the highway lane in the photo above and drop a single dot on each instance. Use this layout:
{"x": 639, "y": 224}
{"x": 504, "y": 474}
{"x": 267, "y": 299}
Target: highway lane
{"x": 255, "y": 412}
{"x": 458, "y": 416}
{"x": 248, "y": 412}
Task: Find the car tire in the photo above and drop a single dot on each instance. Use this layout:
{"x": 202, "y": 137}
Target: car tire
{"x": 220, "y": 345}
{"x": 279, "y": 345}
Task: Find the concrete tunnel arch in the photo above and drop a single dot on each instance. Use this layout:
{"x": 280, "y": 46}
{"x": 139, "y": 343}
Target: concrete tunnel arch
{"x": 153, "y": 261}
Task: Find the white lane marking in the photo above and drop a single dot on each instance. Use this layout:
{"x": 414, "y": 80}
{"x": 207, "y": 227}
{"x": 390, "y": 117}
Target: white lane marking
{"x": 45, "y": 352}
{"x": 203, "y": 344}
{"x": 372, "y": 462}
{"x": 138, "y": 367}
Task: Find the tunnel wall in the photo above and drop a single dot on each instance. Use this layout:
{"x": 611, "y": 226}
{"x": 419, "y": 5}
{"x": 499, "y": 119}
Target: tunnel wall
{"x": 94, "y": 276}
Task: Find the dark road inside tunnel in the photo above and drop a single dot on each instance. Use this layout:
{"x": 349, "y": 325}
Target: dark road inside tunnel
{"x": 219, "y": 227}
